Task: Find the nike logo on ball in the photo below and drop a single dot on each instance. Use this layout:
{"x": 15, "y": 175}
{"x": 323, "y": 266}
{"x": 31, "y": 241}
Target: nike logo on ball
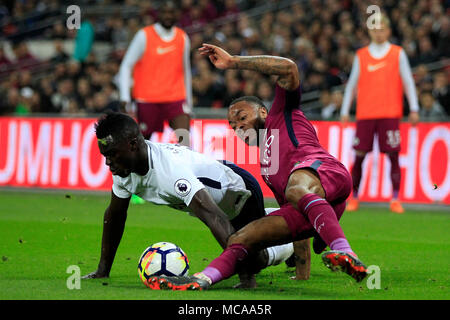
{"x": 374, "y": 67}
{"x": 164, "y": 50}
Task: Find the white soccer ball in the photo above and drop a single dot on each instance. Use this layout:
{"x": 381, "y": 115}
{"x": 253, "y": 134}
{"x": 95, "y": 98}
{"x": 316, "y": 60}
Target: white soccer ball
{"x": 162, "y": 258}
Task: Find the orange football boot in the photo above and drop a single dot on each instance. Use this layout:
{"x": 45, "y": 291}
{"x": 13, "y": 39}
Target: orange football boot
{"x": 345, "y": 262}
{"x": 396, "y": 207}
{"x": 352, "y": 205}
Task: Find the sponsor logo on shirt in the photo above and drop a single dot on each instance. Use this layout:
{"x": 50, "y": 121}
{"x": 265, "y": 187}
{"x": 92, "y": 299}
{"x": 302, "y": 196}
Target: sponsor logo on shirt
{"x": 182, "y": 187}
{"x": 374, "y": 67}
{"x": 164, "y": 50}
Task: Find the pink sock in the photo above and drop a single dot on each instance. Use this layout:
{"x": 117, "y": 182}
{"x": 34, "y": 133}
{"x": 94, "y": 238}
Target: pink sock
{"x": 323, "y": 218}
{"x": 224, "y": 265}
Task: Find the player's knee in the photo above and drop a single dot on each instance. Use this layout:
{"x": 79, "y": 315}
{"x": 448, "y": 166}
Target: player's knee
{"x": 295, "y": 193}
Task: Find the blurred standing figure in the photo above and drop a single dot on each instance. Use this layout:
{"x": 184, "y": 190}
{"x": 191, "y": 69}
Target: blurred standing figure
{"x": 84, "y": 40}
{"x": 157, "y": 67}
{"x": 380, "y": 73}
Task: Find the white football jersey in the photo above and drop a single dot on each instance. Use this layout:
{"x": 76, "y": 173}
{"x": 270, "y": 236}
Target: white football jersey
{"x": 176, "y": 174}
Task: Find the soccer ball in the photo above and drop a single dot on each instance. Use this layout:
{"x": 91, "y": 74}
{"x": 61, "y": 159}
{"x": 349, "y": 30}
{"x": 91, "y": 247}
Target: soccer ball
{"x": 162, "y": 258}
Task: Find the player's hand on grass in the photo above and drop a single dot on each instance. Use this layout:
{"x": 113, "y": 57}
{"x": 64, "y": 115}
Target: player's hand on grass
{"x": 96, "y": 275}
{"x": 248, "y": 281}
{"x": 413, "y": 118}
{"x": 218, "y": 57}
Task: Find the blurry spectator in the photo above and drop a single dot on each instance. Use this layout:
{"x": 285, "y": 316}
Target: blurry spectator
{"x": 196, "y": 19}
{"x": 59, "y": 72}
{"x": 26, "y": 102}
{"x": 185, "y": 13}
{"x": 329, "y": 79}
{"x": 61, "y": 98}
{"x": 208, "y": 10}
{"x": 25, "y": 79}
{"x": 265, "y": 93}
{"x": 84, "y": 40}
{"x": 421, "y": 75}
{"x": 443, "y": 36}
{"x": 204, "y": 86}
{"x": 60, "y": 55}
{"x": 430, "y": 108}
{"x": 83, "y": 91}
{"x": 314, "y": 81}
{"x": 133, "y": 27}
{"x": 5, "y": 63}
{"x": 72, "y": 108}
{"x": 73, "y": 70}
{"x": 13, "y": 100}
{"x": 327, "y": 107}
{"x": 45, "y": 91}
{"x": 24, "y": 59}
{"x": 101, "y": 103}
{"x": 331, "y": 104}
{"x": 232, "y": 91}
{"x": 426, "y": 52}
{"x": 58, "y": 31}
{"x": 441, "y": 91}
{"x": 119, "y": 36}
{"x": 230, "y": 9}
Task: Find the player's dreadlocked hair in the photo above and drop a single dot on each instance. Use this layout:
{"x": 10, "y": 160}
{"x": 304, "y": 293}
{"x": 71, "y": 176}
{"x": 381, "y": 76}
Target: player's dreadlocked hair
{"x": 119, "y": 125}
{"x": 251, "y": 99}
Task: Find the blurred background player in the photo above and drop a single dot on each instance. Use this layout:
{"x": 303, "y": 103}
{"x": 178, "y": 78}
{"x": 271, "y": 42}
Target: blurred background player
{"x": 380, "y": 73}
{"x": 157, "y": 67}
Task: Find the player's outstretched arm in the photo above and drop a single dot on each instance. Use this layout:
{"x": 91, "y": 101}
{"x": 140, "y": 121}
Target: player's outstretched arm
{"x": 286, "y": 69}
{"x": 113, "y": 226}
{"x": 204, "y": 207}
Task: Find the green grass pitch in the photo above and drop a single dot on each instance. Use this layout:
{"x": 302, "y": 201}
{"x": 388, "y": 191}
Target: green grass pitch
{"x": 44, "y": 233}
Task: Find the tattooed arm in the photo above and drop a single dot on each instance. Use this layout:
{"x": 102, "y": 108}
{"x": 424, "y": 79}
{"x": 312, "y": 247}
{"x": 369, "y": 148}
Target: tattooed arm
{"x": 286, "y": 69}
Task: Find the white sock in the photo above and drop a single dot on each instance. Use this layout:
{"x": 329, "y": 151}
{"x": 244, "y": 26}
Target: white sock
{"x": 270, "y": 210}
{"x": 279, "y": 254}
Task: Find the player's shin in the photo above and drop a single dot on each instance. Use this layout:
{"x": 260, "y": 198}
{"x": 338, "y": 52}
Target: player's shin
{"x": 323, "y": 218}
{"x": 395, "y": 174}
{"x": 357, "y": 174}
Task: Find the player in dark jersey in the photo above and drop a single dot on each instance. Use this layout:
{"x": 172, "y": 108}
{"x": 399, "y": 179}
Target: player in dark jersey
{"x": 310, "y": 185}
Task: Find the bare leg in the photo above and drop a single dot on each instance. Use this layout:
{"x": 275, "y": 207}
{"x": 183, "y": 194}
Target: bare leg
{"x": 262, "y": 233}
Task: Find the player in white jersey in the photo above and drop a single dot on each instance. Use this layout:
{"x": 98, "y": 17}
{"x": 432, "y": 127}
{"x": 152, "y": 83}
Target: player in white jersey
{"x": 222, "y": 195}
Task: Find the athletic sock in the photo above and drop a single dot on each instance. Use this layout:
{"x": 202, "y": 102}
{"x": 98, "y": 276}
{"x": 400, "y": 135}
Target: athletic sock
{"x": 357, "y": 174}
{"x": 395, "y": 173}
{"x": 224, "y": 266}
{"x": 279, "y": 254}
{"x": 323, "y": 218}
